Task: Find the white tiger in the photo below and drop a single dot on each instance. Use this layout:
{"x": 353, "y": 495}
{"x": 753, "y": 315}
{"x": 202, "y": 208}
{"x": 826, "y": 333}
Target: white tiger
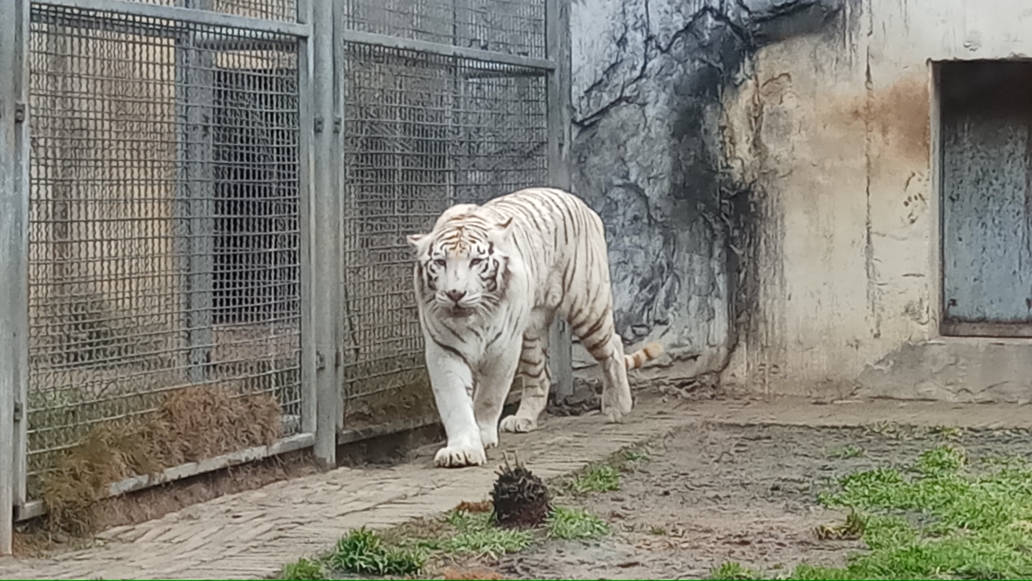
{"x": 489, "y": 281}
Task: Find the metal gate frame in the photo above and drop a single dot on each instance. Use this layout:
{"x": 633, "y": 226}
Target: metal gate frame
{"x": 14, "y": 260}
{"x": 15, "y": 120}
{"x": 321, "y": 218}
{"x": 330, "y": 38}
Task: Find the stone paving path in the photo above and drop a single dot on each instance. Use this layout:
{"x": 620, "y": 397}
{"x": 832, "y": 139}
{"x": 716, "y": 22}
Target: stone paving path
{"x": 250, "y": 535}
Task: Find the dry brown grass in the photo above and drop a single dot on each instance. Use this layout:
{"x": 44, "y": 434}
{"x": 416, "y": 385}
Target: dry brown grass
{"x": 467, "y": 506}
{"x": 196, "y": 423}
{"x": 192, "y": 424}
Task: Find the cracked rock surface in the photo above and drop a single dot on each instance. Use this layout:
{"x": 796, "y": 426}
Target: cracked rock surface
{"x": 647, "y": 80}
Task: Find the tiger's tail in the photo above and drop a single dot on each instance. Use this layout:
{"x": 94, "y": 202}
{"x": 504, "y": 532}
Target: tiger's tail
{"x": 643, "y": 355}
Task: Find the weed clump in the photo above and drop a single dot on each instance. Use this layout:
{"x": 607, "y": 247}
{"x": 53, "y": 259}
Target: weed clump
{"x": 363, "y": 552}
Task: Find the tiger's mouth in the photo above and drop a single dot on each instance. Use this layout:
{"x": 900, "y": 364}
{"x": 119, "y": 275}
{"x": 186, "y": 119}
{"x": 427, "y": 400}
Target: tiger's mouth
{"x": 457, "y": 312}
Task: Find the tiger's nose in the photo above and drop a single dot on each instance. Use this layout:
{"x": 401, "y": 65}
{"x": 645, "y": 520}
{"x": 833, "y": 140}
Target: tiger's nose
{"x": 456, "y": 295}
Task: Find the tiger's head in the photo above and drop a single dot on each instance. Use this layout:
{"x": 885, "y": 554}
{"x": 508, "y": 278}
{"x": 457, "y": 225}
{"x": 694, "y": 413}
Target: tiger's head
{"x": 461, "y": 265}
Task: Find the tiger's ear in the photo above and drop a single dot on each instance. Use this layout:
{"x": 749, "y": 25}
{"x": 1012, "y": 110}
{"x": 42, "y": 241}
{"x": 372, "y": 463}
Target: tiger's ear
{"x": 504, "y": 227}
{"x": 501, "y": 233}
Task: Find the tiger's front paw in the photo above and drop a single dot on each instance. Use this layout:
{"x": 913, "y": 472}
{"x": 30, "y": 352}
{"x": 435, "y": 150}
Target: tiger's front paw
{"x": 518, "y": 425}
{"x": 489, "y": 436}
{"x": 459, "y": 455}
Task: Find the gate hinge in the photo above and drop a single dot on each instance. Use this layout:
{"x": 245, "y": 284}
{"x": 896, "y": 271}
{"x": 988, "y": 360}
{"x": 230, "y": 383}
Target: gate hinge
{"x": 337, "y": 359}
{"x": 318, "y": 124}
{"x": 19, "y": 113}
{"x": 337, "y": 124}
{"x": 17, "y": 411}
{"x": 320, "y": 361}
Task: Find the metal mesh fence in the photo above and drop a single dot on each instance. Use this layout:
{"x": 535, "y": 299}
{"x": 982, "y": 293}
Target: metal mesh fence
{"x": 422, "y": 132}
{"x": 164, "y": 232}
{"x": 283, "y": 10}
{"x": 515, "y": 27}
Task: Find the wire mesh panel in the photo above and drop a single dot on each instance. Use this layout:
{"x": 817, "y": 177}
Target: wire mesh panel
{"x": 164, "y": 236}
{"x": 283, "y": 10}
{"x": 515, "y": 27}
{"x": 422, "y": 132}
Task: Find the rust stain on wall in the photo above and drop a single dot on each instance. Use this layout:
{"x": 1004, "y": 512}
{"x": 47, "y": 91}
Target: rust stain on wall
{"x": 898, "y": 115}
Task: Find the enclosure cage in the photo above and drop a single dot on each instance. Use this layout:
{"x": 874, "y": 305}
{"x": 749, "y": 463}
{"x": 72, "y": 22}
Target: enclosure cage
{"x": 204, "y": 205}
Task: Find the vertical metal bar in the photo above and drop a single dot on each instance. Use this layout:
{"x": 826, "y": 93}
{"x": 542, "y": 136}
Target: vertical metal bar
{"x": 20, "y": 81}
{"x": 325, "y": 228}
{"x": 454, "y": 144}
{"x": 557, "y": 46}
{"x": 196, "y": 192}
{"x": 344, "y": 321}
{"x": 309, "y": 403}
{"x": 13, "y": 257}
{"x": 349, "y": 234}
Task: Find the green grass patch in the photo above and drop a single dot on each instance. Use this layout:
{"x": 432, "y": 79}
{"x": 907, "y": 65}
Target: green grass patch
{"x": 731, "y": 571}
{"x": 364, "y": 552}
{"x": 937, "y": 518}
{"x": 596, "y": 478}
{"x": 631, "y": 455}
{"x": 477, "y": 535}
{"x": 934, "y": 518}
{"x": 407, "y": 550}
{"x": 604, "y": 476}
{"x": 303, "y": 570}
{"x": 575, "y": 523}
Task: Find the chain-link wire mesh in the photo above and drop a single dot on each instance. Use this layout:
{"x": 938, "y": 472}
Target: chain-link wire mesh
{"x": 164, "y": 234}
{"x": 515, "y": 27}
{"x": 422, "y": 132}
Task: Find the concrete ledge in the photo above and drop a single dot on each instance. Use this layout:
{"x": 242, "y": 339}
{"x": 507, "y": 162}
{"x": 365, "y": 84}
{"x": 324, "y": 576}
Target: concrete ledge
{"x": 964, "y": 370}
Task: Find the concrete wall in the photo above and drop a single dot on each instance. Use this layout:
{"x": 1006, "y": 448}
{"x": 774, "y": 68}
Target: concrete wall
{"x": 836, "y": 131}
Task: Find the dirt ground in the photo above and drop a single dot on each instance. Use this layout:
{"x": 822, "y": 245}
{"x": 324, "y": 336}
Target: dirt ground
{"x": 716, "y": 493}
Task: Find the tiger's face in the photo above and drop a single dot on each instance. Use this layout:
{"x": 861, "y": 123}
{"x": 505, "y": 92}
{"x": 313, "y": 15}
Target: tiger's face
{"x": 460, "y": 269}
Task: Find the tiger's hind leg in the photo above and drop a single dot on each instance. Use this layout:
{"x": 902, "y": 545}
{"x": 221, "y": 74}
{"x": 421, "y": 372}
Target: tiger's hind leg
{"x": 616, "y": 390}
{"x": 598, "y": 336}
{"x": 537, "y": 380}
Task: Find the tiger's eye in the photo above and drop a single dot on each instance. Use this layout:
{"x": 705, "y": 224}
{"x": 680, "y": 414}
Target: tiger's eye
{"x": 475, "y": 261}
{"x": 439, "y": 262}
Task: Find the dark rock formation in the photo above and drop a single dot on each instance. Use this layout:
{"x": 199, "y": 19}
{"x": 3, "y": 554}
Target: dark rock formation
{"x": 647, "y": 154}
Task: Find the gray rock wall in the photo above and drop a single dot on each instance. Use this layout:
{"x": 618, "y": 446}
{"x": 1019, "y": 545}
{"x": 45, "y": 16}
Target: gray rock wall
{"x": 648, "y": 156}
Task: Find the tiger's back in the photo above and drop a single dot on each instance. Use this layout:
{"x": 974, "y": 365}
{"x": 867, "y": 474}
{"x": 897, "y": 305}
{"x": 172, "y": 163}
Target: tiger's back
{"x": 563, "y": 241}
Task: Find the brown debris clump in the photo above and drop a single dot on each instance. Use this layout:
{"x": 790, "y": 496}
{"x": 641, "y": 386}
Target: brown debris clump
{"x": 467, "y": 506}
{"x": 192, "y": 424}
{"x": 520, "y": 498}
